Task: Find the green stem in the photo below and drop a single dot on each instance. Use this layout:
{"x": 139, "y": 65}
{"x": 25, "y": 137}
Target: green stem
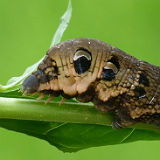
{"x": 27, "y": 109}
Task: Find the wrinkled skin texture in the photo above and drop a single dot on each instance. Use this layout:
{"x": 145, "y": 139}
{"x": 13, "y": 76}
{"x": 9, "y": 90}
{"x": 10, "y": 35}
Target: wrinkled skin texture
{"x": 114, "y": 81}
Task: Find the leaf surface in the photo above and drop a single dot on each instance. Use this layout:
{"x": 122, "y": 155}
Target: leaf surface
{"x": 70, "y": 127}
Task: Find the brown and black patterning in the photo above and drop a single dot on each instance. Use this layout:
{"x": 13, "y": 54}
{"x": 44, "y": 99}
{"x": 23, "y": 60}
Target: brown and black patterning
{"x": 91, "y": 70}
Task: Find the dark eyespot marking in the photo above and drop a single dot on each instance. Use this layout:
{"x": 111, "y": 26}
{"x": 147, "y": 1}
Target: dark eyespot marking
{"x": 108, "y": 74}
{"x": 140, "y": 92}
{"x": 144, "y": 80}
{"x": 109, "y": 71}
{"x": 82, "y": 60}
{"x": 115, "y": 62}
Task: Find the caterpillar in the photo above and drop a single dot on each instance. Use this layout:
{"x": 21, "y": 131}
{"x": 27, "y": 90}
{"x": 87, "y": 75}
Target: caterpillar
{"x": 94, "y": 71}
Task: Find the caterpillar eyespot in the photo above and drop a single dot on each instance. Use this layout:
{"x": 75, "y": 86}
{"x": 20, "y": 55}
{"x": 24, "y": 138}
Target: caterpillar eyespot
{"x": 82, "y": 61}
{"x": 108, "y": 74}
{"x": 91, "y": 70}
{"x": 109, "y": 71}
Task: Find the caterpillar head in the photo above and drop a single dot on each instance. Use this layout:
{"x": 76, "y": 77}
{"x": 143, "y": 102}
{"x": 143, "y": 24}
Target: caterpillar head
{"x": 76, "y": 68}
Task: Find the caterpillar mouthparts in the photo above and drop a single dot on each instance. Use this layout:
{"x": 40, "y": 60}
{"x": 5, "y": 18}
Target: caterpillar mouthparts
{"x": 30, "y": 84}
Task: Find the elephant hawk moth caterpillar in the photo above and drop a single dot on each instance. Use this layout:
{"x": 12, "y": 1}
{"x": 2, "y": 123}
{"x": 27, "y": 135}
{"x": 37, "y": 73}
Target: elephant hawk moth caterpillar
{"x": 94, "y": 71}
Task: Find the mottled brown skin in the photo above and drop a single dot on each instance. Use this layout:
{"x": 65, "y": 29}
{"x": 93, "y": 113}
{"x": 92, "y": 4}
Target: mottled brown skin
{"x": 133, "y": 95}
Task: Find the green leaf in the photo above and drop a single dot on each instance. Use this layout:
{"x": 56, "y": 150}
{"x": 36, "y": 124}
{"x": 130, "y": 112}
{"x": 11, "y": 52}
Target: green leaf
{"x": 63, "y": 25}
{"x": 15, "y": 82}
{"x": 70, "y": 127}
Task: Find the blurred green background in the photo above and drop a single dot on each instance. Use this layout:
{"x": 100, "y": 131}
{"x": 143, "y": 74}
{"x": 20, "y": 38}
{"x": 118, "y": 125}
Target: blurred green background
{"x": 26, "y": 30}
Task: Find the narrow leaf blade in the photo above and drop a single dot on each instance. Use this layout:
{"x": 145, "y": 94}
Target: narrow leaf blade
{"x": 15, "y": 82}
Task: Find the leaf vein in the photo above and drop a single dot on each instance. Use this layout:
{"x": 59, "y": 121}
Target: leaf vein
{"x": 126, "y": 137}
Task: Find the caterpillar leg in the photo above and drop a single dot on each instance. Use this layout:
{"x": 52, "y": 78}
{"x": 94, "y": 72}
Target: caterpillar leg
{"x": 42, "y": 95}
{"x": 118, "y": 124}
{"x": 50, "y": 98}
{"x": 122, "y": 119}
{"x": 62, "y": 101}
